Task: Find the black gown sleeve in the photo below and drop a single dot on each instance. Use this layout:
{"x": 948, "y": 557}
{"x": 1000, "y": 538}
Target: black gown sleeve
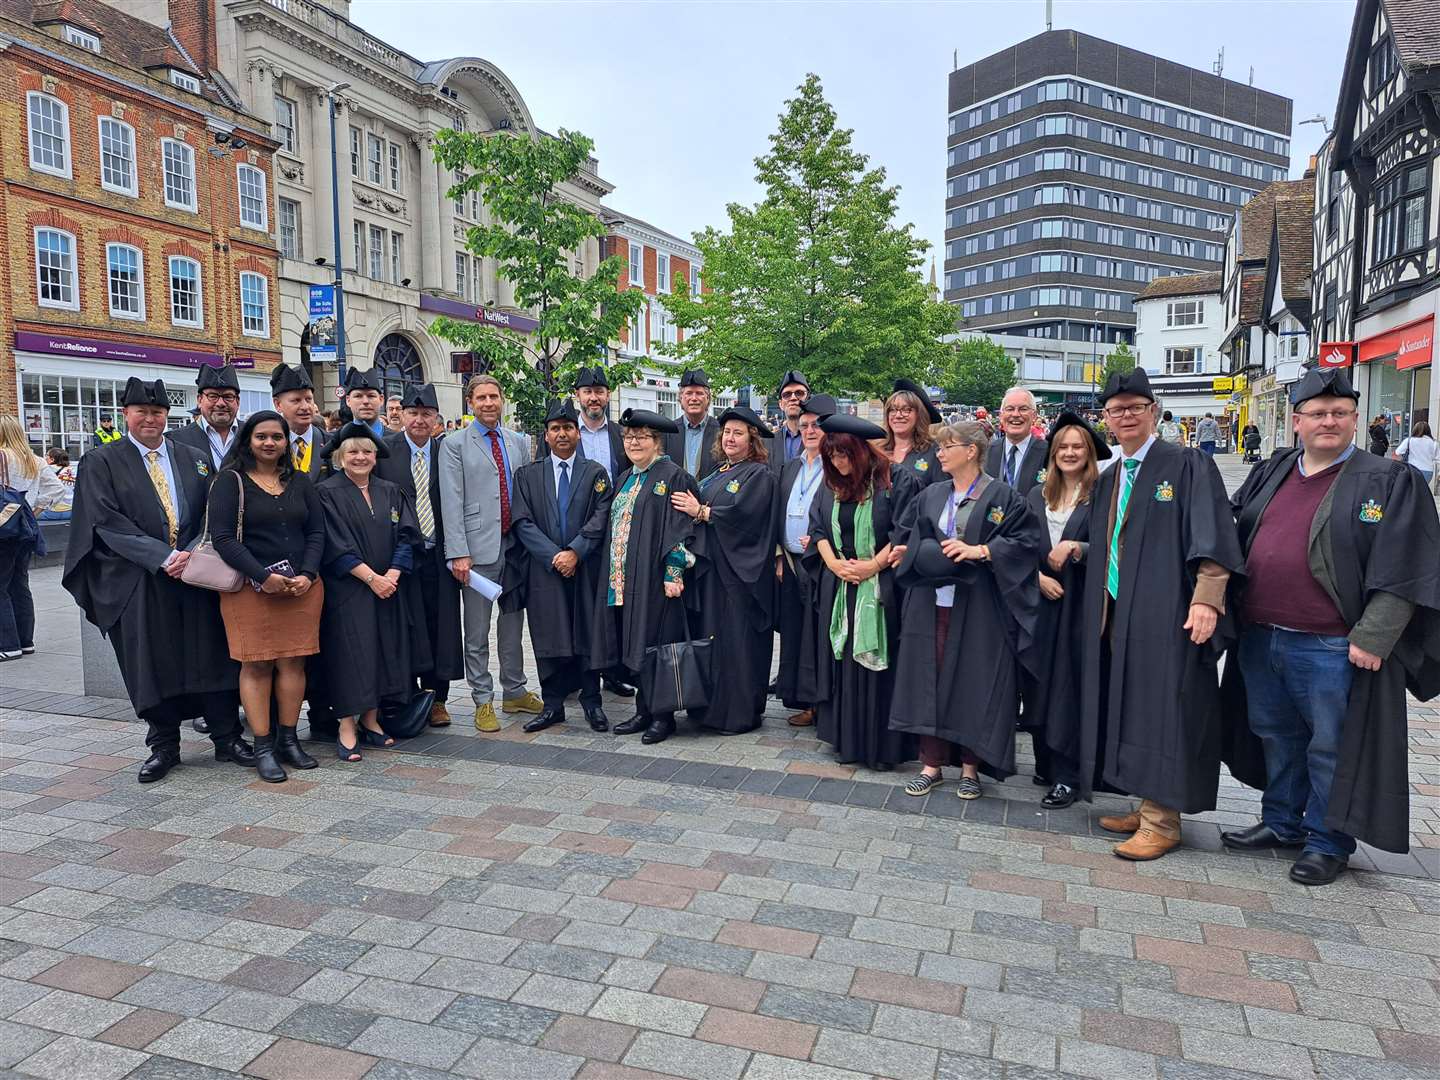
{"x": 741, "y": 529}
{"x": 314, "y": 528}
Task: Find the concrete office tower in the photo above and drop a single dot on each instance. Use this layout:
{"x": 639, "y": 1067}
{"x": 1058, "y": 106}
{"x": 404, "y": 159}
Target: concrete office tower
{"x": 1079, "y": 170}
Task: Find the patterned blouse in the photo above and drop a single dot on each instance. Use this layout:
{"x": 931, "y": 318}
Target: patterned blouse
{"x": 622, "y": 510}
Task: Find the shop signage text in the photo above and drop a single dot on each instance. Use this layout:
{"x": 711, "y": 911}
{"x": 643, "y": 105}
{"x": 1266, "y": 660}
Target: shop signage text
{"x": 90, "y": 349}
{"x": 501, "y": 320}
{"x": 1411, "y": 345}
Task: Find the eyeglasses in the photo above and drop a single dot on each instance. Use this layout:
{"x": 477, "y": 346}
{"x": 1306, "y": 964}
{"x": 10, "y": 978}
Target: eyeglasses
{"x": 1328, "y": 414}
{"x": 211, "y": 395}
{"x": 900, "y": 410}
{"x": 808, "y": 425}
{"x": 1118, "y": 411}
{"x": 1017, "y": 408}
{"x": 794, "y": 395}
{"x": 636, "y": 436}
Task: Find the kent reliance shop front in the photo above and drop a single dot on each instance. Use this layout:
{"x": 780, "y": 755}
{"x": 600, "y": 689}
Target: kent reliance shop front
{"x": 1392, "y": 369}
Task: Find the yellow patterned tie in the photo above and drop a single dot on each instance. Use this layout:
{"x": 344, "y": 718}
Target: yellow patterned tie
{"x": 420, "y": 470}
{"x": 301, "y": 454}
{"x": 162, "y": 489}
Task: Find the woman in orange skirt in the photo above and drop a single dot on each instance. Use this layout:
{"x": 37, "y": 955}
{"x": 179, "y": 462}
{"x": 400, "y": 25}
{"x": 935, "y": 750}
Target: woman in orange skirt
{"x": 266, "y": 522}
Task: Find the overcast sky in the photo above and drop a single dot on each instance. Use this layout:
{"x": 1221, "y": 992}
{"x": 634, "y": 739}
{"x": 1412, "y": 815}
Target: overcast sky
{"x": 681, "y": 96}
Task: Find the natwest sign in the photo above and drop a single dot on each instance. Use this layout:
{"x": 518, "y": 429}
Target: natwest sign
{"x": 1337, "y": 353}
{"x": 502, "y": 320}
{"x": 1411, "y": 345}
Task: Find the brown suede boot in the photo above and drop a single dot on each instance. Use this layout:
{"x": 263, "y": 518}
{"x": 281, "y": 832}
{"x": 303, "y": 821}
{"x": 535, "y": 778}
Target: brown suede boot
{"x": 1121, "y": 823}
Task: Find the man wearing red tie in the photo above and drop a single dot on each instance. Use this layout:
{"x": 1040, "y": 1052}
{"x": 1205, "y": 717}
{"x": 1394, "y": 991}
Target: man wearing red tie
{"x": 477, "y": 470}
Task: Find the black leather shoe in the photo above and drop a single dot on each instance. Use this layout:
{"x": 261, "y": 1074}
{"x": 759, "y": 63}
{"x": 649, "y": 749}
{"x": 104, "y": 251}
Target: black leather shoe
{"x": 597, "y": 719}
{"x": 660, "y": 729}
{"x": 265, "y": 763}
{"x": 287, "y": 749}
{"x": 235, "y": 749}
{"x": 158, "y": 764}
{"x": 638, "y": 722}
{"x": 1315, "y": 868}
{"x": 1058, "y": 797}
{"x": 616, "y": 687}
{"x": 201, "y": 725}
{"x": 1258, "y": 838}
{"x": 548, "y": 718}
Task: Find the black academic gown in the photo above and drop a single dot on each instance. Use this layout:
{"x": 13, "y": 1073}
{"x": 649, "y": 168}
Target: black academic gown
{"x": 561, "y": 610}
{"x": 675, "y": 446}
{"x": 731, "y": 597}
{"x": 194, "y": 436}
{"x": 853, "y": 702}
{"x": 1031, "y": 467}
{"x": 1151, "y": 723}
{"x": 795, "y": 613}
{"x": 618, "y": 461}
{"x": 442, "y": 604}
{"x": 924, "y": 465}
{"x": 974, "y": 698}
{"x": 647, "y": 617}
{"x": 1052, "y": 693}
{"x": 1370, "y": 795}
{"x": 168, "y": 637}
{"x": 373, "y": 648}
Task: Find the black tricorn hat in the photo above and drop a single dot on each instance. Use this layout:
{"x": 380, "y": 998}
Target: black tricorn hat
{"x": 139, "y": 392}
{"x": 562, "y": 410}
{"x": 355, "y": 379}
{"x": 919, "y": 391}
{"x": 695, "y": 377}
{"x": 591, "y": 376}
{"x": 747, "y": 416}
{"x": 845, "y": 424}
{"x": 354, "y": 430}
{"x": 286, "y": 378}
{"x": 1071, "y": 419}
{"x": 217, "y": 378}
{"x": 1134, "y": 381}
{"x": 420, "y": 396}
{"x": 793, "y": 378}
{"x": 821, "y": 405}
{"x": 1323, "y": 382}
{"x": 647, "y": 419}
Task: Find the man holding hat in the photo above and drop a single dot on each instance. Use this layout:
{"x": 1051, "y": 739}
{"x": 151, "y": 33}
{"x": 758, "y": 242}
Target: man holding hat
{"x": 1162, "y": 549}
{"x": 1338, "y": 615}
{"x": 365, "y": 398}
{"x": 693, "y": 446}
{"x": 139, "y": 504}
{"x": 787, "y": 444}
{"x": 293, "y": 395}
{"x": 218, "y": 396}
{"x": 562, "y": 516}
{"x": 600, "y": 440}
{"x": 414, "y": 464}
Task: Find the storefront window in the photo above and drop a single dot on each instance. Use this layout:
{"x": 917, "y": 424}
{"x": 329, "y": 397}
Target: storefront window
{"x": 65, "y": 410}
{"x": 1390, "y": 397}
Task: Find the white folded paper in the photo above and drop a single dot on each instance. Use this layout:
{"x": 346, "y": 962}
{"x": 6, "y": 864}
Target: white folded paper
{"x": 484, "y": 586}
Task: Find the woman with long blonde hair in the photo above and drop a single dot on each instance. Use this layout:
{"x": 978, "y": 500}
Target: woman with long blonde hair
{"x": 26, "y": 474}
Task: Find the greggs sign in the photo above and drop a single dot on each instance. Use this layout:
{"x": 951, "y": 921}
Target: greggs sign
{"x": 1337, "y": 353}
{"x": 1412, "y": 345}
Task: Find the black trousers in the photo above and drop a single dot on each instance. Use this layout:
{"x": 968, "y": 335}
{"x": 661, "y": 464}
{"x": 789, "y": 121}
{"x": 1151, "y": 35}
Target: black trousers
{"x": 562, "y": 676}
{"x": 221, "y": 710}
{"x": 427, "y": 573}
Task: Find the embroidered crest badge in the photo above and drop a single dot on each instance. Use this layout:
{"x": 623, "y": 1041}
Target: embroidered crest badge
{"x": 395, "y": 516}
{"x": 995, "y": 516}
{"x": 733, "y": 486}
{"x": 1372, "y": 512}
{"x": 922, "y": 465}
{"x": 1041, "y": 475}
{"x": 661, "y": 488}
{"x": 599, "y": 485}
{"x": 1164, "y": 492}
{"x": 203, "y": 468}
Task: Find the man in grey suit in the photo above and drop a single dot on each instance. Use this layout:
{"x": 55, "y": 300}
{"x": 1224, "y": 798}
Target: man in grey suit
{"x": 477, "y": 470}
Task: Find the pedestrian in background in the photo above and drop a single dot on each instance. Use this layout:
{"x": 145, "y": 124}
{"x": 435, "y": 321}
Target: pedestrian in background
{"x": 59, "y": 510}
{"x": 1171, "y": 431}
{"x": 1208, "y": 434}
{"x": 1380, "y": 435}
{"x": 24, "y": 473}
{"x": 266, "y": 522}
{"x": 1418, "y": 450}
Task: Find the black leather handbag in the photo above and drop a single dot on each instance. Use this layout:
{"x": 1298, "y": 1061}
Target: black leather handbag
{"x": 677, "y": 676}
{"x": 410, "y": 719}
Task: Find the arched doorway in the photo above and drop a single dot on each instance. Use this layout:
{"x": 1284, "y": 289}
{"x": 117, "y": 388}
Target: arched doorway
{"x": 398, "y": 363}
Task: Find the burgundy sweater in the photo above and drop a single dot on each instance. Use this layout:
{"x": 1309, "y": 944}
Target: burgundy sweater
{"x": 1279, "y": 589}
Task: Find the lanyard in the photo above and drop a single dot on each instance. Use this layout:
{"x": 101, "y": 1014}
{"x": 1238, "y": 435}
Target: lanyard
{"x": 956, "y": 504}
{"x": 805, "y": 488}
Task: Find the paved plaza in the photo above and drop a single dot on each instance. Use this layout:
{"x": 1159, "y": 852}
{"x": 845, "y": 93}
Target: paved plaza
{"x": 573, "y": 905}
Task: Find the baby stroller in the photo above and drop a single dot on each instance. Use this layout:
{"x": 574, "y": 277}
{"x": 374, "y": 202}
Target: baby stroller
{"x": 1252, "y": 446}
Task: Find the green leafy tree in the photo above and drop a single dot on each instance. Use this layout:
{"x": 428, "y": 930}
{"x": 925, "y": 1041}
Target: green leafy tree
{"x": 533, "y": 233}
{"x": 815, "y": 276}
{"x": 1119, "y": 361}
{"x": 978, "y": 373}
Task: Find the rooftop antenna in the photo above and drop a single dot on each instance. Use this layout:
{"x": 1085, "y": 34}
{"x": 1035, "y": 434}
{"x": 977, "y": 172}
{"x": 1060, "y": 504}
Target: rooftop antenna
{"x": 1049, "y": 14}
{"x": 1219, "y": 66}
{"x": 1252, "y": 74}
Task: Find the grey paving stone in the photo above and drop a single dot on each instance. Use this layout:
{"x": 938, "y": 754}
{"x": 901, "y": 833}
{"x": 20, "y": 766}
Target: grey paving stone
{"x": 817, "y": 1007}
{"x": 494, "y": 1060}
{"x": 798, "y": 917}
{"x": 1020, "y": 1011}
{"x": 166, "y": 1068}
{"x": 15, "y": 995}
{"x": 327, "y": 986}
{"x": 169, "y": 992}
{"x": 69, "y": 1058}
{"x": 558, "y": 994}
{"x": 1178, "y": 1069}
{"x": 933, "y": 1029}
{"x": 387, "y": 997}
{"x": 1333, "y": 1035}
{"x": 866, "y": 1053}
{"x": 704, "y": 955}
{"x": 325, "y": 1024}
{"x": 1115, "y": 969}
{"x": 467, "y": 944}
{"x": 620, "y": 940}
{"x": 253, "y": 1009}
{"x": 650, "y": 1011}
{"x": 419, "y": 1044}
{"x": 1105, "y": 1062}
{"x": 399, "y": 1070}
{"x": 1093, "y": 993}
{"x": 115, "y": 943}
{"x": 325, "y": 951}
{"x": 690, "y": 1058}
{"x": 18, "y": 1042}
{"x": 497, "y": 1019}
{"x": 953, "y": 1066}
{"x": 1332, "y": 1066}
{"x": 204, "y": 1042}
{"x": 560, "y": 960}
{"x": 1234, "y": 1051}
{"x": 206, "y": 898}
{"x": 472, "y": 976}
{"x": 72, "y": 1014}
{"x": 1024, "y": 929}
{"x": 401, "y": 965}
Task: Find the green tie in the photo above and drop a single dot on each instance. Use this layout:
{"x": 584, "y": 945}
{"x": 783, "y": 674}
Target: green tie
{"x": 1112, "y": 575}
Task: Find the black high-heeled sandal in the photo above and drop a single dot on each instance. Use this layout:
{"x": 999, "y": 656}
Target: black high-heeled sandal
{"x": 374, "y": 738}
{"x": 350, "y": 755}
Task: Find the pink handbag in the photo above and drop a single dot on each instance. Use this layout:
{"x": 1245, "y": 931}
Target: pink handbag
{"x": 206, "y": 569}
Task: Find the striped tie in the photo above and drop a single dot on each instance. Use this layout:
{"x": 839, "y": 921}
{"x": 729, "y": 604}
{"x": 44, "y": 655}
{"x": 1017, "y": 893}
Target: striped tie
{"x": 301, "y": 454}
{"x": 1112, "y": 574}
{"x": 423, "y": 510}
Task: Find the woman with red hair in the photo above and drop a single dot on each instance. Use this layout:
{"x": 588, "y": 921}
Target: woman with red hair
{"x": 852, "y": 521}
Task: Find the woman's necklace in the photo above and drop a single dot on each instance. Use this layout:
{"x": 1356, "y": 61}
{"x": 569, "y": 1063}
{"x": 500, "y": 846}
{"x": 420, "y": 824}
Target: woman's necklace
{"x": 269, "y": 484}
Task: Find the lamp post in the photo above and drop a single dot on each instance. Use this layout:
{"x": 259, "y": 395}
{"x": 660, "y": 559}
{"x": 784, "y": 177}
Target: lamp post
{"x": 335, "y": 214}
{"x": 1095, "y": 361}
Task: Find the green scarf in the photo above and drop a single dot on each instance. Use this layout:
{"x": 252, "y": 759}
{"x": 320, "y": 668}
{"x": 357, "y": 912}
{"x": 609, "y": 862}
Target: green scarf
{"x": 870, "y": 649}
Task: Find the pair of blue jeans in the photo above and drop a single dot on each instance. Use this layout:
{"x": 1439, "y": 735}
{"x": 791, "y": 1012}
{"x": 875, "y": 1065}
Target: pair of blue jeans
{"x": 1298, "y": 686}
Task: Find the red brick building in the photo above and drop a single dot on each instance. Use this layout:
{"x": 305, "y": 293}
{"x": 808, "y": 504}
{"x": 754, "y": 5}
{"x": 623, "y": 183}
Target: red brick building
{"x": 136, "y": 207}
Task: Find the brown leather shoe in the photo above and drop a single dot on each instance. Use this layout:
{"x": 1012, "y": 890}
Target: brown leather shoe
{"x": 1121, "y": 823}
{"x": 439, "y": 715}
{"x": 802, "y": 719}
{"x": 1145, "y": 845}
